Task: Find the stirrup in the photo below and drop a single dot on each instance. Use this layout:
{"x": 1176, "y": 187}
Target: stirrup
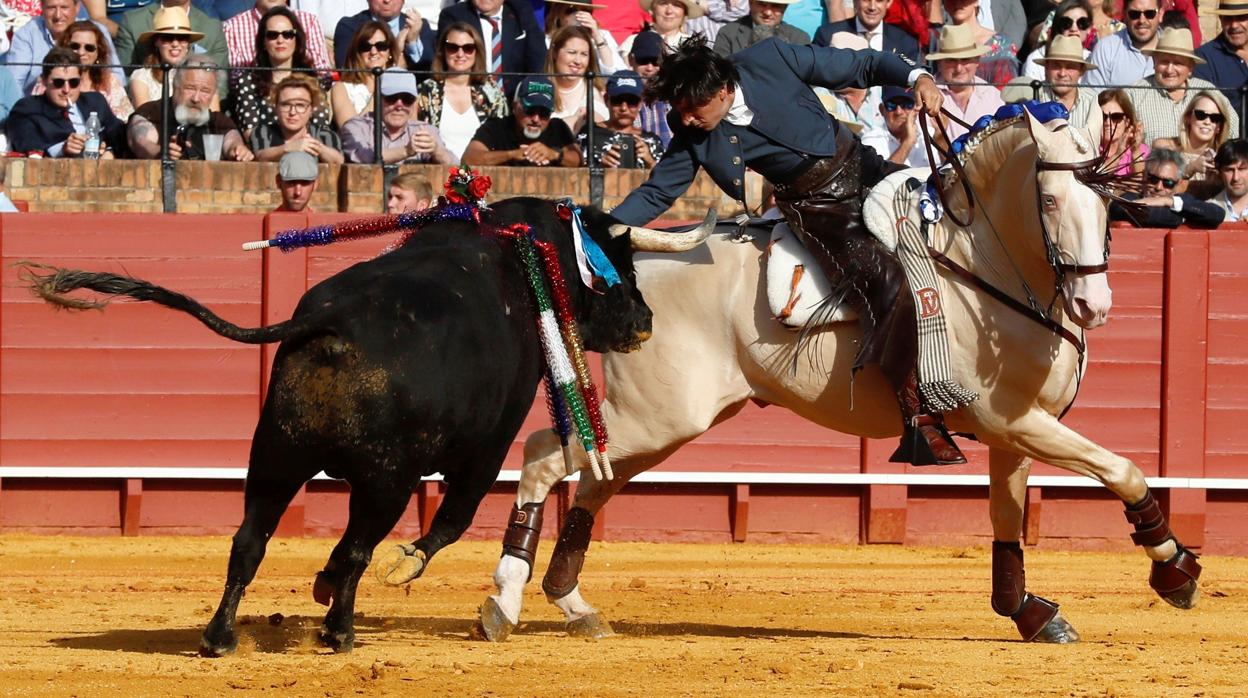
{"x": 916, "y": 448}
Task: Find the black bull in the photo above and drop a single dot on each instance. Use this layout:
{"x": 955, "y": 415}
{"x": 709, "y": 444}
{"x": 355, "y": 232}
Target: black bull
{"x": 424, "y": 360}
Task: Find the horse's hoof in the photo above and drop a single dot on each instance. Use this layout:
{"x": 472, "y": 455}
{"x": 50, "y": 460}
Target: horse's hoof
{"x": 219, "y": 647}
{"x": 1185, "y": 597}
{"x": 591, "y": 627}
{"x": 323, "y": 589}
{"x": 340, "y": 643}
{"x": 1057, "y": 632}
{"x": 400, "y": 565}
{"x": 493, "y": 623}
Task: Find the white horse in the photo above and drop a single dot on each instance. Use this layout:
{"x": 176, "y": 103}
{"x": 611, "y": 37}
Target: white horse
{"x": 1040, "y": 224}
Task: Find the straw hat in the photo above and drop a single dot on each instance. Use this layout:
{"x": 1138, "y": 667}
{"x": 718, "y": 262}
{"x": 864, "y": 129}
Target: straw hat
{"x": 1176, "y": 42}
{"x": 579, "y": 3}
{"x": 1066, "y": 48}
{"x": 1232, "y": 8}
{"x": 957, "y": 41}
{"x": 693, "y": 8}
{"x": 171, "y": 20}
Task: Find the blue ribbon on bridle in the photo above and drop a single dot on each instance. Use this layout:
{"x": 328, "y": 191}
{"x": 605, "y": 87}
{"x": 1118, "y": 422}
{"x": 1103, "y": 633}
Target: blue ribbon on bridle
{"x": 1043, "y": 111}
{"x": 598, "y": 261}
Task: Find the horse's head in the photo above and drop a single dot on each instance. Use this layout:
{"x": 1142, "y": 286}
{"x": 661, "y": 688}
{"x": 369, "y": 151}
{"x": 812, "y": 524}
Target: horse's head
{"x": 1074, "y": 219}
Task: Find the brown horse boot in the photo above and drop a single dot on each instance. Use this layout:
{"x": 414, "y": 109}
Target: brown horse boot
{"x": 925, "y": 440}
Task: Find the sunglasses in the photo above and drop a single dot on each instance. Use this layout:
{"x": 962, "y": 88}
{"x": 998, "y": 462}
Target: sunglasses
{"x": 1164, "y": 181}
{"x": 288, "y": 35}
{"x": 468, "y": 49}
{"x": 1146, "y": 14}
{"x": 405, "y": 98}
{"x": 1212, "y": 116}
{"x": 1063, "y": 24}
{"x": 1116, "y": 118}
{"x": 380, "y": 46}
{"x": 59, "y": 83}
{"x": 891, "y": 106}
{"x": 539, "y": 112}
{"x": 647, "y": 61}
{"x": 174, "y": 38}
{"x": 89, "y": 48}
{"x": 626, "y": 99}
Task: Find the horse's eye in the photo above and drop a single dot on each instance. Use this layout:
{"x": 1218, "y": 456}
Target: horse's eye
{"x": 1048, "y": 201}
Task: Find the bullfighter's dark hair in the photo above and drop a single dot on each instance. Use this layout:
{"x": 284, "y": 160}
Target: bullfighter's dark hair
{"x": 60, "y": 58}
{"x": 692, "y": 74}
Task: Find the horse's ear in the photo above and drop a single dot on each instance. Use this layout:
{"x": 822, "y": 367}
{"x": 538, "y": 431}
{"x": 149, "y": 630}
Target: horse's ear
{"x": 1042, "y": 136}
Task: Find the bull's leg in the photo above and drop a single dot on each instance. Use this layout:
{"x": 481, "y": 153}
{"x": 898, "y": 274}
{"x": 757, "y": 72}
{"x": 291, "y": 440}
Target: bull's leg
{"x": 374, "y": 510}
{"x": 1038, "y": 435}
{"x": 1037, "y": 619}
{"x": 265, "y": 501}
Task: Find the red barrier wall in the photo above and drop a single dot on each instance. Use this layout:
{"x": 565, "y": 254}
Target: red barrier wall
{"x": 139, "y": 385}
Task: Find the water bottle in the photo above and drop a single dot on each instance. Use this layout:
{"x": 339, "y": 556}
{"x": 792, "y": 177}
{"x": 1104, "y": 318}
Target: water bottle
{"x": 92, "y": 149}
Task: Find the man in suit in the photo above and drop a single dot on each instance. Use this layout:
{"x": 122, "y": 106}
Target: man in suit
{"x": 417, "y": 44}
{"x": 868, "y": 22}
{"x": 766, "y": 19}
{"x": 135, "y": 22}
{"x": 1162, "y": 206}
{"x": 35, "y": 38}
{"x": 757, "y": 109}
{"x": 518, "y": 45}
{"x": 54, "y": 123}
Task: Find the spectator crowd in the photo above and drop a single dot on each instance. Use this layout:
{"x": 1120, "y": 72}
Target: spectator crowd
{"x": 562, "y": 82}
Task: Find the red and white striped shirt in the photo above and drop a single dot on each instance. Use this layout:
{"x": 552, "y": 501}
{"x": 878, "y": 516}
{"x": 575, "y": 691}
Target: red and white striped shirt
{"x": 240, "y": 38}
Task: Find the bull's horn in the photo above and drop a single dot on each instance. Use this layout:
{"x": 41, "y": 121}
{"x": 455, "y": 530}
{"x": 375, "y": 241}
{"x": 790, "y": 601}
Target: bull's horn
{"x": 648, "y": 240}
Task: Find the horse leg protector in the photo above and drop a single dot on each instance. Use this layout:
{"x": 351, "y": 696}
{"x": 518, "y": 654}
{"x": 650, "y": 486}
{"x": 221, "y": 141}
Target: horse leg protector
{"x": 569, "y": 556}
{"x": 1171, "y": 577}
{"x": 523, "y": 531}
{"x": 1009, "y": 581}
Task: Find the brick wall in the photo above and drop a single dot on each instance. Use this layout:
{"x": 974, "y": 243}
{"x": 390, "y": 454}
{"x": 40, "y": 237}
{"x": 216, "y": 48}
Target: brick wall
{"x": 203, "y": 187}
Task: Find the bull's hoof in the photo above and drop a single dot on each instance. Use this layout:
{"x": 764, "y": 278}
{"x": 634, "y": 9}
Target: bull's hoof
{"x": 1185, "y": 597}
{"x": 1057, "y": 632}
{"x": 340, "y": 643}
{"x": 323, "y": 589}
{"x": 493, "y": 624}
{"x": 400, "y": 565}
{"x": 591, "y": 627}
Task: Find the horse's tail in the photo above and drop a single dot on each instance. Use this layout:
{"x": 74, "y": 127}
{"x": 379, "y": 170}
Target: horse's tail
{"x": 53, "y": 285}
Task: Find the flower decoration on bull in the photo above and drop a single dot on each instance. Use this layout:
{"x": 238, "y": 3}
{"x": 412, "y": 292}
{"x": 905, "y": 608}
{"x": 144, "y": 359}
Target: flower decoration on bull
{"x": 464, "y": 186}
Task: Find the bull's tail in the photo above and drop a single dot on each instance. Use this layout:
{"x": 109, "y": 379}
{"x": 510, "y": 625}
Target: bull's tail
{"x": 55, "y": 283}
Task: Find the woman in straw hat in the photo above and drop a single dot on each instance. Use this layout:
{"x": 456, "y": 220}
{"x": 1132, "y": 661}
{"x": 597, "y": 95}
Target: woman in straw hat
{"x": 967, "y": 95}
{"x": 669, "y": 22}
{"x": 169, "y": 42}
{"x": 998, "y": 64}
{"x": 1161, "y": 98}
{"x": 562, "y": 13}
{"x": 1064, "y": 64}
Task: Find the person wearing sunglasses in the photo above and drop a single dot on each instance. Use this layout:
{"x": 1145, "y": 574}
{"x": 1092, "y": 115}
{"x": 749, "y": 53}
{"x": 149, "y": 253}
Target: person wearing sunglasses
{"x": 562, "y": 13}
{"x": 899, "y": 141}
{"x": 54, "y": 123}
{"x": 618, "y": 142}
{"x": 240, "y": 34}
{"x": 169, "y": 42}
{"x": 1121, "y": 132}
{"x": 281, "y": 51}
{"x": 1070, "y": 18}
{"x": 644, "y": 58}
{"x": 1121, "y": 58}
{"x": 403, "y": 139}
{"x": 1204, "y": 130}
{"x": 352, "y": 94}
{"x": 411, "y": 32}
{"x": 461, "y": 95}
{"x": 135, "y": 25}
{"x": 1226, "y": 56}
{"x": 1064, "y": 66}
{"x": 32, "y": 41}
{"x": 531, "y": 137}
{"x": 87, "y": 40}
{"x": 1163, "y": 206}
{"x": 1232, "y": 164}
{"x": 1161, "y": 98}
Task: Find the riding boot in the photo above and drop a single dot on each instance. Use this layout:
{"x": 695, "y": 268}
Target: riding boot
{"x": 924, "y": 441}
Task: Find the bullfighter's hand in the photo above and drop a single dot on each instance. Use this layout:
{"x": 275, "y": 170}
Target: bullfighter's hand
{"x": 927, "y": 96}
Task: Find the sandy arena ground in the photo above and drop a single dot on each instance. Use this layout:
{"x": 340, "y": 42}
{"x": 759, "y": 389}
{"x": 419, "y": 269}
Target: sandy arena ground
{"x": 122, "y": 616}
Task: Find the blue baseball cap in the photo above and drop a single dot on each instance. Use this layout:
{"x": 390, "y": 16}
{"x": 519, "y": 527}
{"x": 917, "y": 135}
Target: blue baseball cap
{"x": 536, "y": 92}
{"x": 624, "y": 82}
{"x": 892, "y": 94}
{"x": 647, "y": 45}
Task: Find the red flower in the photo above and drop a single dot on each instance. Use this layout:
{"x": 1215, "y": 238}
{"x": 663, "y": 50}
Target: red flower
{"x": 455, "y": 197}
{"x": 479, "y": 187}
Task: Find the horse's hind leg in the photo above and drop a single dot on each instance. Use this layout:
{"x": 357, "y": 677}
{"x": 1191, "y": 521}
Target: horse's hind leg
{"x": 1175, "y": 570}
{"x": 1037, "y": 619}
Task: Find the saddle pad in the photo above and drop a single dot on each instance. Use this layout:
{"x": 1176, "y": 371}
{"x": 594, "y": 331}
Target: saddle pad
{"x": 795, "y": 284}
{"x": 878, "y": 212}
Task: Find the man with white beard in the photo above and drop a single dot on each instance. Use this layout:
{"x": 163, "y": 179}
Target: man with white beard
{"x": 194, "y": 86}
{"x": 529, "y": 137}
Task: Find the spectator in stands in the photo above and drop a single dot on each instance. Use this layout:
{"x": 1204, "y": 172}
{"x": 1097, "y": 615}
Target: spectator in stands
{"x": 281, "y": 50}
{"x": 513, "y": 39}
{"x": 530, "y": 137}
{"x": 561, "y": 13}
{"x": 1105, "y": 19}
{"x": 1167, "y": 92}
{"x": 1204, "y": 130}
{"x": 1232, "y": 164}
{"x": 868, "y": 22}
{"x": 54, "y": 123}
{"x": 1071, "y": 18}
{"x": 373, "y": 46}
{"x": 240, "y": 34}
{"x": 1120, "y": 58}
{"x": 766, "y": 19}
{"x": 999, "y": 62}
{"x": 967, "y": 95}
{"x": 716, "y": 15}
{"x": 86, "y": 39}
{"x": 33, "y": 41}
{"x": 570, "y": 58}
{"x": 402, "y": 139}
{"x": 899, "y": 142}
{"x": 1064, "y": 66}
{"x": 644, "y": 58}
{"x": 331, "y": 12}
{"x": 411, "y": 32}
{"x": 409, "y": 193}
{"x": 669, "y": 21}
{"x": 1226, "y": 56}
{"x": 169, "y": 42}
{"x": 854, "y": 105}
{"x": 1164, "y": 206}
{"x": 298, "y": 97}
{"x": 9, "y": 94}
{"x": 459, "y": 98}
{"x": 1121, "y": 132}
{"x": 618, "y": 142}
{"x": 194, "y": 90}
{"x": 136, "y": 23}
{"x": 297, "y": 173}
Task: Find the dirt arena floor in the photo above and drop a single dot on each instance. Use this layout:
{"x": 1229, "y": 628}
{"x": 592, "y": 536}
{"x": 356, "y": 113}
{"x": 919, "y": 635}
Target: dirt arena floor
{"x": 122, "y": 616}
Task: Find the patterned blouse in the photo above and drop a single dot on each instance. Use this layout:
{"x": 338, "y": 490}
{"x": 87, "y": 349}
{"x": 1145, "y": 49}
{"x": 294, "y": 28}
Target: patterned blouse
{"x": 487, "y": 100}
{"x": 252, "y": 109}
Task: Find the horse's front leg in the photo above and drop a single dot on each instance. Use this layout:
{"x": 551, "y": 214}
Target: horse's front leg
{"x": 1037, "y": 619}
